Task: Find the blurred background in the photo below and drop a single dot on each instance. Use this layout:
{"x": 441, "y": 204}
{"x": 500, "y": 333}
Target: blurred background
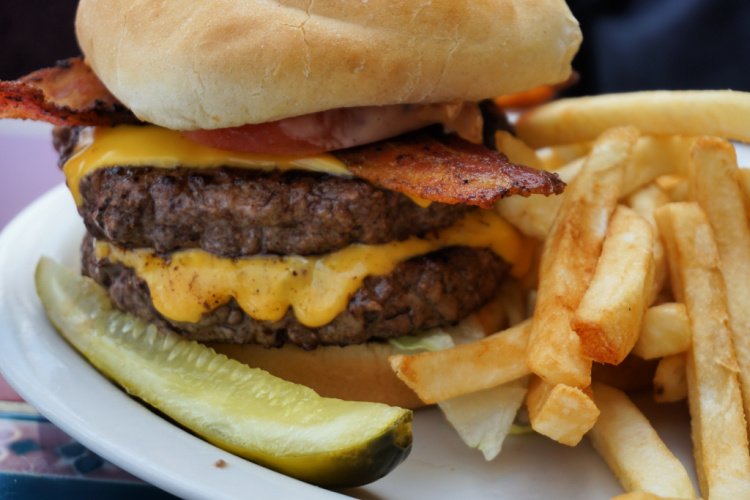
{"x": 35, "y": 33}
{"x": 662, "y": 44}
{"x": 628, "y": 45}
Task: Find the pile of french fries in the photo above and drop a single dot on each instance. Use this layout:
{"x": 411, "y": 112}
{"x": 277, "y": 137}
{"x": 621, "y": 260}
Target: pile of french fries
{"x": 646, "y": 255}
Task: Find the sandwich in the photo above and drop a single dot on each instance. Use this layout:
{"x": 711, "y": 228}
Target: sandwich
{"x": 298, "y": 183}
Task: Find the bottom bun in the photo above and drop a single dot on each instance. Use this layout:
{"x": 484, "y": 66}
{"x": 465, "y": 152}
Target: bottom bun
{"x": 355, "y": 372}
{"x": 360, "y": 372}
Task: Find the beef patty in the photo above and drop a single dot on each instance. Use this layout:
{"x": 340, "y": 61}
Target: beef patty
{"x": 237, "y": 212}
{"x": 436, "y": 289}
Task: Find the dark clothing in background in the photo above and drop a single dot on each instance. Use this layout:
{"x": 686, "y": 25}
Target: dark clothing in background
{"x": 628, "y": 44}
{"x": 35, "y": 34}
{"x": 662, "y": 44}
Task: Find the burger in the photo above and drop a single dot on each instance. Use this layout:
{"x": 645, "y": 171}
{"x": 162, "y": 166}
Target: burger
{"x": 296, "y": 183}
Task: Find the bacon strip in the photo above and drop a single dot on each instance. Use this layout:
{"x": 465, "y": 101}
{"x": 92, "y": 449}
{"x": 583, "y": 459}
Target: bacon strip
{"x": 447, "y": 170}
{"x": 66, "y": 94}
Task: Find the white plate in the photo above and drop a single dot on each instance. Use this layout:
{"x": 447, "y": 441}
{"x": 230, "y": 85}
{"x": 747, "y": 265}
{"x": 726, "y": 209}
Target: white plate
{"x": 61, "y": 385}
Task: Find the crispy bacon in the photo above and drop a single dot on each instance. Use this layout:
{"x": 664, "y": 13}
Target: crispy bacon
{"x": 66, "y": 94}
{"x": 447, "y": 170}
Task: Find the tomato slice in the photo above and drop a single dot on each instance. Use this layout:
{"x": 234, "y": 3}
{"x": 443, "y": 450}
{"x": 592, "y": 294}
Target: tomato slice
{"x": 340, "y": 128}
{"x": 277, "y": 137}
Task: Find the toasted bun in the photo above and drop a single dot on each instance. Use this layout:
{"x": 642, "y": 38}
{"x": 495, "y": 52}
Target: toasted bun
{"x": 356, "y": 373}
{"x": 208, "y": 64}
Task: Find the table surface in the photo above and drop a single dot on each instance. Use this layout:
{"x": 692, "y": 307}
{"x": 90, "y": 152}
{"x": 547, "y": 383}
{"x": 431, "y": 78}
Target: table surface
{"x": 38, "y": 460}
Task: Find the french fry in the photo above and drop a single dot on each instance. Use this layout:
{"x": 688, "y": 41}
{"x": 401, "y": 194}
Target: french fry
{"x": 717, "y": 418}
{"x": 609, "y": 317}
{"x": 655, "y": 156}
{"x": 713, "y": 183}
{"x": 644, "y": 202}
{"x": 516, "y": 150}
{"x": 560, "y": 412}
{"x": 665, "y": 331}
{"x": 633, "y": 450}
{"x": 554, "y": 157}
{"x": 670, "y": 379}
{"x": 724, "y": 113}
{"x": 530, "y": 214}
{"x": 743, "y": 178}
{"x": 569, "y": 260}
{"x": 676, "y": 186}
{"x": 640, "y": 495}
{"x": 490, "y": 362}
{"x": 534, "y": 215}
{"x": 667, "y": 182}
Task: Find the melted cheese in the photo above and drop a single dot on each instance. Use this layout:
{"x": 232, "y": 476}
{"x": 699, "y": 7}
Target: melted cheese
{"x": 150, "y": 146}
{"x": 192, "y": 282}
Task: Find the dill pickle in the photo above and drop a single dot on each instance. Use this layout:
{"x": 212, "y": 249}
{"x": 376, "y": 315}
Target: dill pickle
{"x": 280, "y": 425}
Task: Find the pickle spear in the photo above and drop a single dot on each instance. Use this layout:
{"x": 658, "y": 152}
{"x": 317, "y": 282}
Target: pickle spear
{"x": 280, "y": 425}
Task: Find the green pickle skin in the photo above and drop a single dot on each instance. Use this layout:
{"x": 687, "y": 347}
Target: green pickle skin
{"x": 274, "y": 425}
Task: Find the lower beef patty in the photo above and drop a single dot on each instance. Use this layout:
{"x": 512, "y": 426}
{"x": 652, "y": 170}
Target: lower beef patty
{"x": 424, "y": 292}
{"x": 238, "y": 212}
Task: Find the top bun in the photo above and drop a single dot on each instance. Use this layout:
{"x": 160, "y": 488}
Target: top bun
{"x": 209, "y": 64}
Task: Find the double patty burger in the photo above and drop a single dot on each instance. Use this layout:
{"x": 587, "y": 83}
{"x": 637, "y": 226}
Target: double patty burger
{"x": 298, "y": 182}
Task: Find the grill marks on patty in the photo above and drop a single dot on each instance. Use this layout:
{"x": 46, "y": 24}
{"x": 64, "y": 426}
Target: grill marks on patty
{"x": 236, "y": 212}
{"x": 424, "y": 292}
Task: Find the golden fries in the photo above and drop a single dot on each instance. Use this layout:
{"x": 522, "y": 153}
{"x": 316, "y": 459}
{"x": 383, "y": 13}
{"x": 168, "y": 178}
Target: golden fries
{"x": 645, "y": 201}
{"x": 714, "y": 112}
{"x": 676, "y": 187}
{"x": 743, "y": 177}
{"x": 658, "y": 288}
{"x": 713, "y": 183}
{"x": 492, "y": 361}
{"x": 554, "y": 157}
{"x": 560, "y": 412}
{"x": 665, "y": 331}
{"x": 534, "y": 215}
{"x": 640, "y": 495}
{"x": 633, "y": 450}
{"x": 609, "y": 317}
{"x": 670, "y": 379}
{"x": 569, "y": 260}
{"x": 717, "y": 418}
{"x": 516, "y": 150}
{"x": 654, "y": 157}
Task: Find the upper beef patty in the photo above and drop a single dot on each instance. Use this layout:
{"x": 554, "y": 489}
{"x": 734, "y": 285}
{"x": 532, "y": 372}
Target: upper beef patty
{"x": 436, "y": 289}
{"x": 236, "y": 212}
